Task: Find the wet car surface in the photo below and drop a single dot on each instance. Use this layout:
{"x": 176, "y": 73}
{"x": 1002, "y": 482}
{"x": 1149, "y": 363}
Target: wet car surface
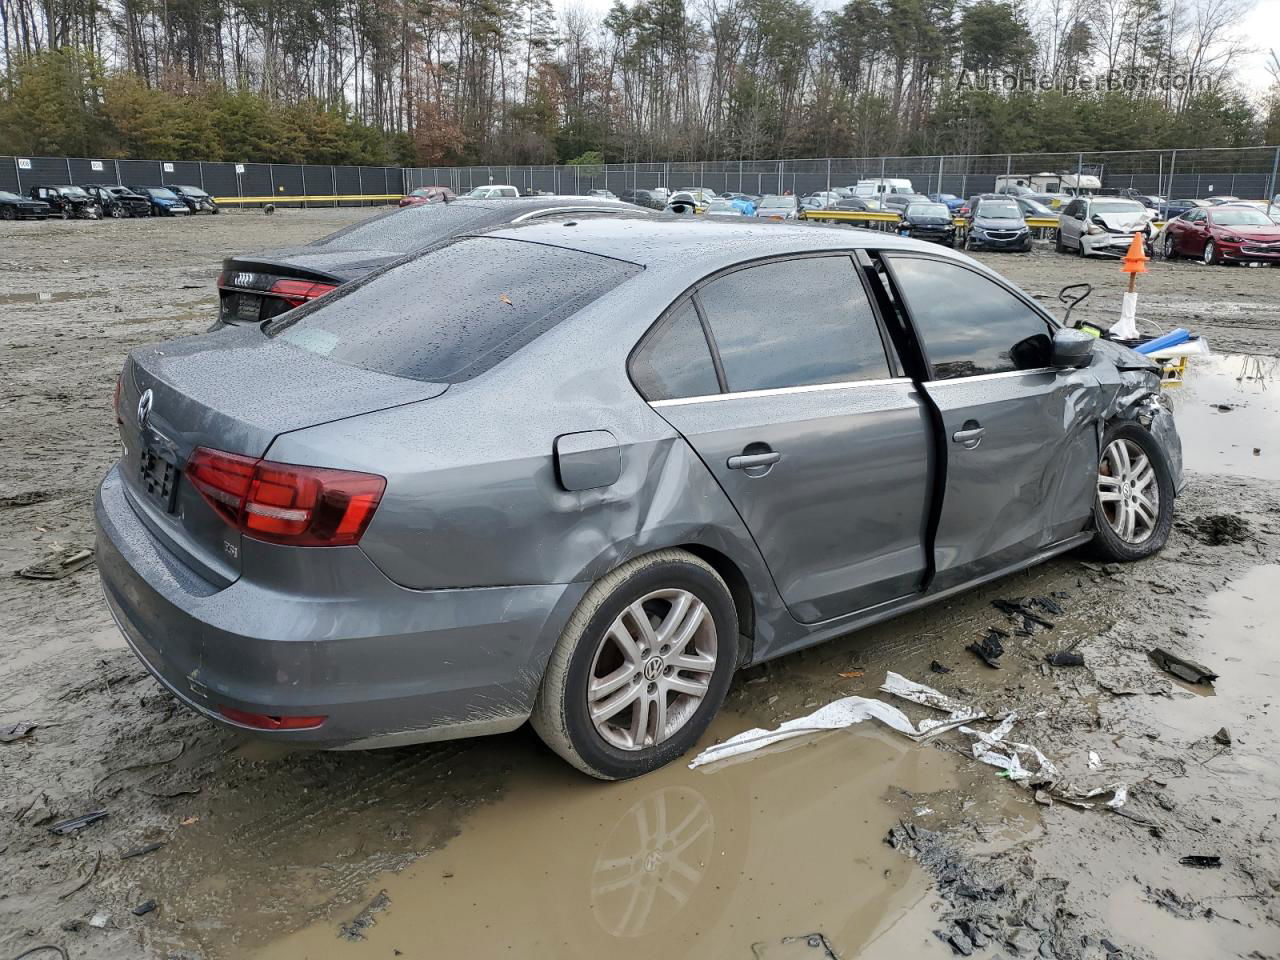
{"x": 269, "y": 852}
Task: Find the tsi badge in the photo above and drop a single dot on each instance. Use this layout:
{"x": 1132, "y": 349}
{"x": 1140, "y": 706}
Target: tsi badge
{"x": 144, "y": 407}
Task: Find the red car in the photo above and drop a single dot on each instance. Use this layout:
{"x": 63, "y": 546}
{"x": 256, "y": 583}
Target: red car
{"x": 427, "y": 195}
{"x": 1221, "y": 234}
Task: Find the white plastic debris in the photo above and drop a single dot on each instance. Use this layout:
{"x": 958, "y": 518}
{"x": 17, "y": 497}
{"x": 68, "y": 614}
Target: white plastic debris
{"x": 848, "y": 711}
{"x": 1095, "y": 761}
{"x": 1010, "y": 760}
{"x": 834, "y": 716}
{"x": 99, "y": 920}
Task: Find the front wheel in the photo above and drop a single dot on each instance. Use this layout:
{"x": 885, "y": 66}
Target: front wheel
{"x": 117, "y": 212}
{"x": 1170, "y": 247}
{"x": 8, "y": 213}
{"x": 1210, "y": 255}
{"x": 1058, "y": 245}
{"x": 641, "y": 668}
{"x": 1133, "y": 503}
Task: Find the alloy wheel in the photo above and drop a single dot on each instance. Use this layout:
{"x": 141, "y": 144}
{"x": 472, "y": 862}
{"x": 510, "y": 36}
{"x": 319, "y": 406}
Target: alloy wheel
{"x": 1128, "y": 491}
{"x": 1169, "y": 251}
{"x": 1210, "y": 254}
{"x": 652, "y": 669}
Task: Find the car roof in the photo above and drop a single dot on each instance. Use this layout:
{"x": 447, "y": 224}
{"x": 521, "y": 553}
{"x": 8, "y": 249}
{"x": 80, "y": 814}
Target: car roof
{"x": 688, "y": 248}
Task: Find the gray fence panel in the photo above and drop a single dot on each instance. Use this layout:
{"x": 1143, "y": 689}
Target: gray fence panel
{"x": 256, "y": 181}
{"x": 288, "y": 181}
{"x": 139, "y": 173}
{"x": 184, "y": 173}
{"x": 220, "y": 179}
{"x": 82, "y": 171}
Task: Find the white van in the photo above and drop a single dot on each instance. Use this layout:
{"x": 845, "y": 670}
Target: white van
{"x": 882, "y": 185}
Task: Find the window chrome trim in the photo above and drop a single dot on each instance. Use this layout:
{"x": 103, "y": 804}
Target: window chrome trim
{"x": 571, "y": 209}
{"x": 992, "y": 376}
{"x": 779, "y": 391}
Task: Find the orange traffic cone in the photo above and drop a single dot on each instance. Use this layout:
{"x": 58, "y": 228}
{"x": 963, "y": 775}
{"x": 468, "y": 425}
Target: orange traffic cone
{"x": 1135, "y": 261}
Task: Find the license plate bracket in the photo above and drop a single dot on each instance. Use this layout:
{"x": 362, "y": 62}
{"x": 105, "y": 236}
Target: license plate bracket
{"x": 248, "y": 307}
{"x": 158, "y": 472}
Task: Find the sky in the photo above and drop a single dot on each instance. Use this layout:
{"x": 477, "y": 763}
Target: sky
{"x": 1262, "y": 24}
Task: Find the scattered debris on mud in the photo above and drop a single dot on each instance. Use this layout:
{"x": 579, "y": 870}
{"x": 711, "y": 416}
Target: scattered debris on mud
{"x": 1217, "y": 529}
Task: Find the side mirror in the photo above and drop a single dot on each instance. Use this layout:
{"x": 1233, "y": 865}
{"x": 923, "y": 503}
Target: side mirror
{"x": 1072, "y": 349}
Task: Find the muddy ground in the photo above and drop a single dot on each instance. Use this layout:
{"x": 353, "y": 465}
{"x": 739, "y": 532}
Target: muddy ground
{"x": 495, "y": 848}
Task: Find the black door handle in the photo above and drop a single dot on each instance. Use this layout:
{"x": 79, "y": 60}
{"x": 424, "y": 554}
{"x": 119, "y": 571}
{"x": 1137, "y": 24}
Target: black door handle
{"x": 746, "y": 461}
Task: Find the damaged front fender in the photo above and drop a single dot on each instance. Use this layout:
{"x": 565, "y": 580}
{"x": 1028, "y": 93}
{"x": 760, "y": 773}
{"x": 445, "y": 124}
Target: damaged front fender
{"x": 1131, "y": 390}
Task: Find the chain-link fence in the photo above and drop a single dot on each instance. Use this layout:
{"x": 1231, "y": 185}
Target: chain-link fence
{"x": 224, "y": 180}
{"x": 1247, "y": 172}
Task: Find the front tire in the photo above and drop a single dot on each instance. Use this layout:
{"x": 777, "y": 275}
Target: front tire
{"x": 8, "y": 213}
{"x": 1170, "y": 247}
{"x": 1210, "y": 255}
{"x": 1133, "y": 500}
{"x": 1058, "y": 245}
{"x": 641, "y": 668}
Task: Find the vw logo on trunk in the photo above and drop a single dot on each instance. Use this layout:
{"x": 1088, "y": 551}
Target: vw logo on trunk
{"x": 144, "y": 407}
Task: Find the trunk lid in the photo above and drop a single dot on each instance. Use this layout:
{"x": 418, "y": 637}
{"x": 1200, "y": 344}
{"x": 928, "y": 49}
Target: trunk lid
{"x": 234, "y": 391}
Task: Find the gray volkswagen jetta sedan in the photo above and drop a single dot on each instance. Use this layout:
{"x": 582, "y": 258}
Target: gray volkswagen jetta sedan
{"x": 580, "y": 472}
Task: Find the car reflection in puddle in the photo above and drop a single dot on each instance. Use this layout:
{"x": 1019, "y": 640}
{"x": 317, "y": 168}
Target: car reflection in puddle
{"x": 686, "y": 863}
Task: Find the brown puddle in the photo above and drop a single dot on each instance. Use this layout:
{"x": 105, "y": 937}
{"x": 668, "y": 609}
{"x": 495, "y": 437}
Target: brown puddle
{"x": 1238, "y": 786}
{"x": 1222, "y": 441}
{"x": 681, "y": 863}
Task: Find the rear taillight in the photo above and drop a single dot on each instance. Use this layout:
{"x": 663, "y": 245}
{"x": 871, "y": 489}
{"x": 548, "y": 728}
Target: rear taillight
{"x": 284, "y": 503}
{"x": 298, "y": 292}
{"x": 115, "y": 400}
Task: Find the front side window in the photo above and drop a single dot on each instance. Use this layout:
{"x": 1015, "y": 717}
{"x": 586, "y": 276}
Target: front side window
{"x": 675, "y": 360}
{"x": 968, "y": 324}
{"x": 793, "y": 323}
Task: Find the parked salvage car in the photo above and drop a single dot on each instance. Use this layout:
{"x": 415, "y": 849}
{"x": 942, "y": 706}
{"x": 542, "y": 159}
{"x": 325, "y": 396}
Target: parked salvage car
{"x": 778, "y": 207}
{"x": 15, "y": 207}
{"x": 118, "y": 201}
{"x": 163, "y": 201}
{"x": 196, "y": 199}
{"x": 258, "y": 286}
{"x": 684, "y": 203}
{"x": 725, "y": 208}
{"x": 1091, "y": 224}
{"x": 928, "y": 221}
{"x": 1031, "y": 207}
{"x": 661, "y": 456}
{"x": 1223, "y": 234}
{"x": 1175, "y": 208}
{"x": 495, "y": 191}
{"x": 426, "y": 195}
{"x": 67, "y": 201}
{"x": 953, "y": 202}
{"x": 995, "y": 222}
{"x": 642, "y": 198}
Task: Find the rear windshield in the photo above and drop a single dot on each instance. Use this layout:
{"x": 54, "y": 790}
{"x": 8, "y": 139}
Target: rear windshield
{"x": 412, "y": 228}
{"x": 452, "y": 313}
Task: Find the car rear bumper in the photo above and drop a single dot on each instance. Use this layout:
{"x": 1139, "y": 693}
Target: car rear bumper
{"x": 385, "y": 665}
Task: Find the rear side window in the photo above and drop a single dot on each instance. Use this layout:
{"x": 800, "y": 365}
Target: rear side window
{"x": 675, "y": 361}
{"x": 450, "y": 314}
{"x": 969, "y": 325}
{"x": 793, "y": 323}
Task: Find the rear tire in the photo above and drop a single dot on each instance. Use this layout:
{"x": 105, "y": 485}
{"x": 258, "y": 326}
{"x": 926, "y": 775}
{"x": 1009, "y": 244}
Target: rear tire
{"x": 1133, "y": 497}
{"x": 629, "y": 742}
{"x": 8, "y": 213}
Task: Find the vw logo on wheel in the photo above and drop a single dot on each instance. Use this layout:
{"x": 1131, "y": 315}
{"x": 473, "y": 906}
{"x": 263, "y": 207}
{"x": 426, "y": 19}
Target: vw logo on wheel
{"x": 144, "y": 407}
{"x": 653, "y": 668}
